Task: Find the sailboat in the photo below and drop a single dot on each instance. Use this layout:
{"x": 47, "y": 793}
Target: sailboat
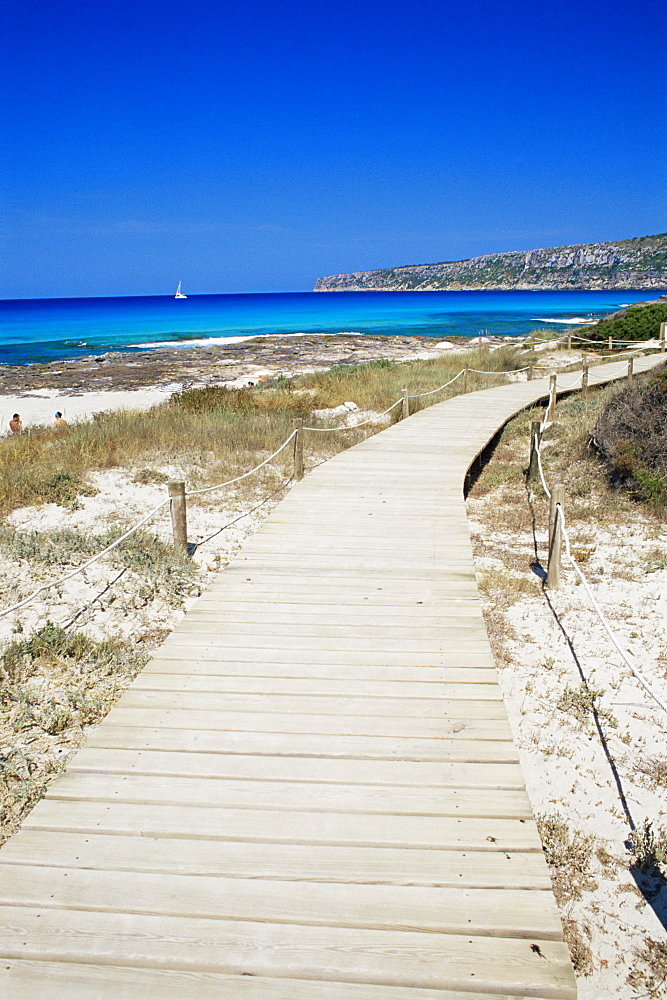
{"x": 179, "y": 293}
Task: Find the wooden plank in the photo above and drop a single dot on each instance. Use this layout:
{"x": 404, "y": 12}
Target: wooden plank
{"x": 296, "y": 827}
{"x": 26, "y": 980}
{"x": 197, "y": 652}
{"x": 454, "y": 722}
{"x": 460, "y": 746}
{"x": 479, "y": 688}
{"x": 270, "y": 606}
{"x": 416, "y": 774}
{"x": 383, "y": 635}
{"x": 457, "y": 869}
{"x": 400, "y": 958}
{"x": 341, "y": 644}
{"x": 491, "y": 707}
{"x": 434, "y": 909}
{"x": 239, "y": 793}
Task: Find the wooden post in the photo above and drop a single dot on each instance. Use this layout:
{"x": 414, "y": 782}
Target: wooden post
{"x": 405, "y": 412}
{"x": 555, "y": 535}
{"x": 584, "y": 378}
{"x": 535, "y": 437}
{"x": 551, "y": 412}
{"x": 569, "y": 341}
{"x": 465, "y": 380}
{"x": 298, "y": 450}
{"x": 531, "y": 373}
{"x": 179, "y": 519}
{"x": 611, "y": 343}
{"x": 631, "y": 369}
{"x": 663, "y": 336}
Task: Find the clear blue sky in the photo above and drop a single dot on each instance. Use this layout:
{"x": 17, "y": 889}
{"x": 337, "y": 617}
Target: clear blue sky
{"x": 253, "y": 146}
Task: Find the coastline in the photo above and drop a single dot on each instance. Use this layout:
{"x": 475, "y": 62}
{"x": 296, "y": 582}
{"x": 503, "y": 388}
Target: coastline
{"x": 130, "y": 380}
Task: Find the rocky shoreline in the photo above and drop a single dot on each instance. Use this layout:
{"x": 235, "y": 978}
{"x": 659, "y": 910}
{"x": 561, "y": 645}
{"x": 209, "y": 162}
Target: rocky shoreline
{"x": 161, "y": 368}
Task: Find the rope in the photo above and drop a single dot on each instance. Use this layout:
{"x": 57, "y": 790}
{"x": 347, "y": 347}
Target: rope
{"x": 195, "y": 493}
{"x": 513, "y": 371}
{"x": 352, "y": 427}
{"x": 418, "y": 395}
{"x": 626, "y": 657}
{"x": 607, "y": 627}
{"x": 247, "y": 512}
{"x": 570, "y": 384}
{"x": 79, "y": 569}
{"x": 97, "y": 597}
{"x": 541, "y": 470}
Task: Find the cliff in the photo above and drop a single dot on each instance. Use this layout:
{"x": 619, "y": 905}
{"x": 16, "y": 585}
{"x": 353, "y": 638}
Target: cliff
{"x": 636, "y": 263}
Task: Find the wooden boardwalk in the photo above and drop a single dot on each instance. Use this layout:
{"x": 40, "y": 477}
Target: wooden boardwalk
{"x": 311, "y": 792}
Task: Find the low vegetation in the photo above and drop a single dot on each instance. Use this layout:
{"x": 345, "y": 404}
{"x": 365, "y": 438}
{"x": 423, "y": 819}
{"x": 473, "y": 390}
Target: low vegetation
{"x": 569, "y": 854}
{"x": 648, "y": 846}
{"x": 161, "y": 567}
{"x": 640, "y": 322}
{"x": 217, "y": 432}
{"x": 630, "y": 435}
{"x": 649, "y": 975}
{"x": 53, "y": 683}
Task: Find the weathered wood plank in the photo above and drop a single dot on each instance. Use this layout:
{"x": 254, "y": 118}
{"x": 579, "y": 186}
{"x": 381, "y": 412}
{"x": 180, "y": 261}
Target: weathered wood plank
{"x": 375, "y": 706}
{"x": 296, "y": 826}
{"x": 26, "y": 980}
{"x": 460, "y": 746}
{"x": 351, "y": 771}
{"x": 389, "y": 907}
{"x": 456, "y": 869}
{"x": 398, "y": 800}
{"x": 399, "y": 958}
{"x": 454, "y": 722}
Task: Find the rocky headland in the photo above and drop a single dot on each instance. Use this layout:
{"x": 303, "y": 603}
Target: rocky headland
{"x": 622, "y": 264}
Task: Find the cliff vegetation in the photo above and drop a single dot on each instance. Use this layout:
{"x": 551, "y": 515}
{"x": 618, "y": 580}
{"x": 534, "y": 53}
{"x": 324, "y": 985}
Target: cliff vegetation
{"x": 637, "y": 263}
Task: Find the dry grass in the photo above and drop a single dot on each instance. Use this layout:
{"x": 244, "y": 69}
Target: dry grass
{"x": 648, "y": 846}
{"x": 53, "y": 683}
{"x": 653, "y": 770}
{"x": 216, "y": 433}
{"x": 648, "y": 977}
{"x": 568, "y": 856}
{"x": 583, "y": 703}
{"x": 580, "y": 953}
{"x": 161, "y": 567}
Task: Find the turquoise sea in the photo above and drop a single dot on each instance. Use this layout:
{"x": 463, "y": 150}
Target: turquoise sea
{"x": 55, "y": 329}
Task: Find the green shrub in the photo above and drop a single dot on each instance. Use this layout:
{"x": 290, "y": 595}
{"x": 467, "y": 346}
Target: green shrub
{"x": 636, "y": 323}
{"x": 630, "y": 435}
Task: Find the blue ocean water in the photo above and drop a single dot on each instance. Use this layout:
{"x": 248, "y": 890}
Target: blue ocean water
{"x": 56, "y": 329}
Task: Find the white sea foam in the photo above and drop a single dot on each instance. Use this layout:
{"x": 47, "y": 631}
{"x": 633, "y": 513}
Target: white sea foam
{"x": 213, "y": 341}
{"x": 573, "y": 320}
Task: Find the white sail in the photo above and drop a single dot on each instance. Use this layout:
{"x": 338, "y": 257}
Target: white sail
{"x": 179, "y": 293}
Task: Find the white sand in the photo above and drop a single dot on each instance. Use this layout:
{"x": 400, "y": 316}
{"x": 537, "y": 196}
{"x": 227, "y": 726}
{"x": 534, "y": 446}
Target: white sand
{"x": 39, "y": 408}
{"x": 565, "y": 765}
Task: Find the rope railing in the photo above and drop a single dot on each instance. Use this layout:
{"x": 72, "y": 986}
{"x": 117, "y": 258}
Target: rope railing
{"x": 589, "y": 340}
{"x": 513, "y": 371}
{"x": 89, "y": 562}
{"x": 431, "y": 392}
{"x": 625, "y": 655}
{"x": 558, "y": 525}
{"x": 352, "y": 427}
{"x": 237, "y": 479}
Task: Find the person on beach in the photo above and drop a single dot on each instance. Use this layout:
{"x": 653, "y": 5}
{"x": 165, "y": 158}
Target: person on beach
{"x": 59, "y": 423}
{"x": 15, "y": 424}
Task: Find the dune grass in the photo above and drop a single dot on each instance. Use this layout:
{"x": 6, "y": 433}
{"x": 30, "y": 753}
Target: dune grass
{"x": 216, "y": 433}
